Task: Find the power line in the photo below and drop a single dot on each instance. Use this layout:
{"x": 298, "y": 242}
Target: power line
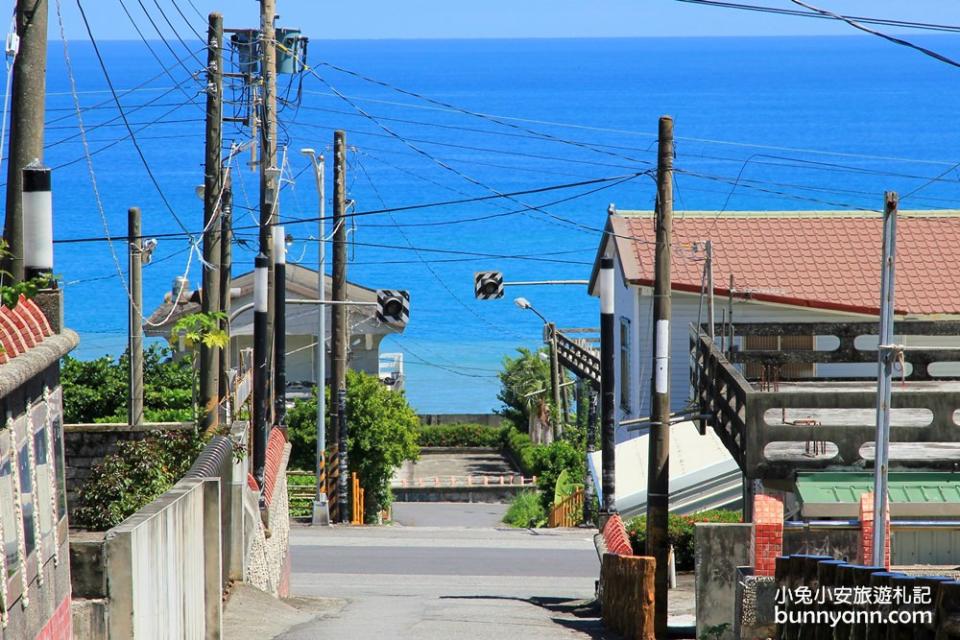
{"x": 647, "y": 134}
{"x": 133, "y": 138}
{"x": 900, "y": 41}
{"x": 927, "y": 26}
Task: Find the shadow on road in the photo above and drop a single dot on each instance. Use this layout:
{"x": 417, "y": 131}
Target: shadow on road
{"x": 582, "y": 616}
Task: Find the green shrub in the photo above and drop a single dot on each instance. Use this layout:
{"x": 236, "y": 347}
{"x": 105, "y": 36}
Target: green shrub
{"x": 679, "y": 533}
{"x": 525, "y": 511}
{"x": 135, "y": 475}
{"x": 383, "y": 433}
{"x": 519, "y": 446}
{"x": 458, "y": 434}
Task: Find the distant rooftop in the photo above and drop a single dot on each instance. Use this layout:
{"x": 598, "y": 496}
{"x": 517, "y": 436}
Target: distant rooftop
{"x": 821, "y": 259}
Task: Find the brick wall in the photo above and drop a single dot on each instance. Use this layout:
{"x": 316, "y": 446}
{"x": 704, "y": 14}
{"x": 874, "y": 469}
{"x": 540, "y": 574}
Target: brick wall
{"x": 767, "y": 541}
{"x": 866, "y": 531}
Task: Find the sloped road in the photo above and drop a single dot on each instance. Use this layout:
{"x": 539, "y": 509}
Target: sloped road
{"x": 428, "y": 582}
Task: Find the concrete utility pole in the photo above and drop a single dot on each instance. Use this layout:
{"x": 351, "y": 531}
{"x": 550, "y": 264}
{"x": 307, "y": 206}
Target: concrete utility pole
{"x": 26, "y": 119}
{"x": 658, "y": 477}
{"x": 339, "y": 329}
{"x": 269, "y": 171}
{"x": 555, "y": 379}
{"x": 608, "y": 416}
{"x": 590, "y": 492}
{"x": 887, "y": 354}
{"x": 226, "y": 281}
{"x": 261, "y": 367}
{"x": 320, "y": 508}
{"x": 135, "y": 318}
{"x": 280, "y": 325}
{"x": 212, "y": 193}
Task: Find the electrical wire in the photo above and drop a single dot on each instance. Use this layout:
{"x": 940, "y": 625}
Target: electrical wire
{"x": 133, "y": 138}
{"x": 926, "y": 26}
{"x": 900, "y": 41}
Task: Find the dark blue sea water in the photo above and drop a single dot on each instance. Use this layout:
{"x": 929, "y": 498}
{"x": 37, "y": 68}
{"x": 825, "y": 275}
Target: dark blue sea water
{"x": 773, "y": 123}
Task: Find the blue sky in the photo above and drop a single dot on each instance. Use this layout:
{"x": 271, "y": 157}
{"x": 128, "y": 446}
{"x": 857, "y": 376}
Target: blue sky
{"x": 504, "y": 18}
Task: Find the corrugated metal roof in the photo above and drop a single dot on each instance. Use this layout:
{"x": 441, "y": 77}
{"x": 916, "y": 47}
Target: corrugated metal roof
{"x": 917, "y": 493}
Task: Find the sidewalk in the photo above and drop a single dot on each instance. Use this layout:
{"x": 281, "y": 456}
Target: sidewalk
{"x": 251, "y": 614}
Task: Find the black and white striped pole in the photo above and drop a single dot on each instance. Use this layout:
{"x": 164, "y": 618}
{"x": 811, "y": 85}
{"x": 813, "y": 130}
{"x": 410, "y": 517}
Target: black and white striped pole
{"x": 261, "y": 371}
{"x": 280, "y": 325}
{"x": 608, "y": 417}
{"x": 37, "y": 203}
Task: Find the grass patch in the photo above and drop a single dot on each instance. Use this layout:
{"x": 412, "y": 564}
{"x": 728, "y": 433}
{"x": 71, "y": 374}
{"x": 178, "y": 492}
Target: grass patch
{"x": 525, "y": 511}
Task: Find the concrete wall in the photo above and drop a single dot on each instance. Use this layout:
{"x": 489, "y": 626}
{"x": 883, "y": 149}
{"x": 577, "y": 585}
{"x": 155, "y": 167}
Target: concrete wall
{"x": 719, "y": 549}
{"x": 86, "y": 445}
{"x": 162, "y": 572}
{"x": 163, "y": 566}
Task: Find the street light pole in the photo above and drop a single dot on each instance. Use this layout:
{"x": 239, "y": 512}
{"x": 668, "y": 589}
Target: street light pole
{"x": 321, "y": 514}
{"x": 551, "y": 340}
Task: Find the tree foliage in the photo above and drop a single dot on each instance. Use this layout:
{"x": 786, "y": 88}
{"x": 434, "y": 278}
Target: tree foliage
{"x": 96, "y": 390}
{"x": 524, "y": 386}
{"x": 383, "y": 432}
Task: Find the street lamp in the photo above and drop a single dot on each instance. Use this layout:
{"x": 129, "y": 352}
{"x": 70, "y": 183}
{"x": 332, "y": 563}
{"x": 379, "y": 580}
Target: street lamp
{"x": 523, "y": 303}
{"x": 551, "y": 339}
{"x": 320, "y": 513}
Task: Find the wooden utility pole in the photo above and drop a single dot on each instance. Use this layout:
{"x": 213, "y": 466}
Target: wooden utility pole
{"x": 135, "y": 318}
{"x": 280, "y": 326}
{"x": 269, "y": 171}
{"x": 658, "y": 477}
{"x": 26, "y": 120}
{"x": 338, "y": 326}
{"x": 212, "y": 194}
{"x": 226, "y": 281}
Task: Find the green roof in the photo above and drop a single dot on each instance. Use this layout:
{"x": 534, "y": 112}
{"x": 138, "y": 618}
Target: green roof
{"x": 912, "y": 494}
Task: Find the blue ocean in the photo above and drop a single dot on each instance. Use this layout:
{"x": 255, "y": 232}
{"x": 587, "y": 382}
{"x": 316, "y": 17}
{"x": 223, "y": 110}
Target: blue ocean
{"x": 761, "y": 123}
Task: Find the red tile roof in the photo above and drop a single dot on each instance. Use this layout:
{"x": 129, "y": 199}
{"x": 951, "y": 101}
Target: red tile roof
{"x": 828, "y": 260}
{"x": 21, "y": 329}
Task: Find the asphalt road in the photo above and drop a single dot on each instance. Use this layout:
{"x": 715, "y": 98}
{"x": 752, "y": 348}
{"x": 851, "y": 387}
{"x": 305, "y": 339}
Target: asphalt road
{"x": 428, "y": 582}
{"x": 445, "y": 514}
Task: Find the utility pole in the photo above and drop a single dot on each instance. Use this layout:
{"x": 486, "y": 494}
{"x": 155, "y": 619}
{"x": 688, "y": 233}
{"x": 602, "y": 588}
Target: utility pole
{"x": 555, "y": 380}
{"x": 226, "y": 282}
{"x": 26, "y": 119}
{"x": 321, "y": 514}
{"x": 658, "y": 477}
{"x": 280, "y": 325}
{"x": 269, "y": 171}
{"x": 887, "y": 354}
{"x": 261, "y": 367}
{"x": 590, "y": 492}
{"x": 135, "y": 318}
{"x": 212, "y": 193}
{"x": 710, "y": 314}
{"x": 339, "y": 329}
{"x": 608, "y": 417}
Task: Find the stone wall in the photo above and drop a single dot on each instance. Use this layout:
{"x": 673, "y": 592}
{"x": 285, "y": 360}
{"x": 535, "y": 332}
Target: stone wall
{"x": 719, "y": 548}
{"x": 268, "y": 562}
{"x": 86, "y": 445}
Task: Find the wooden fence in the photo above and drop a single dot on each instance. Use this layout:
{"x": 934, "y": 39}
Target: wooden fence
{"x": 569, "y": 513}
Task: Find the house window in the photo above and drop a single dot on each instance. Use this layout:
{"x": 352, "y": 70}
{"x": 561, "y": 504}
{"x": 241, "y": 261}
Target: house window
{"x": 625, "y": 350}
{"x": 43, "y": 462}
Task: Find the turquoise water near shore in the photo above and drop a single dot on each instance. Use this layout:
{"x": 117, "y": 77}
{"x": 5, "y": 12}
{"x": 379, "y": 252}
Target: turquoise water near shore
{"x": 749, "y": 114}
